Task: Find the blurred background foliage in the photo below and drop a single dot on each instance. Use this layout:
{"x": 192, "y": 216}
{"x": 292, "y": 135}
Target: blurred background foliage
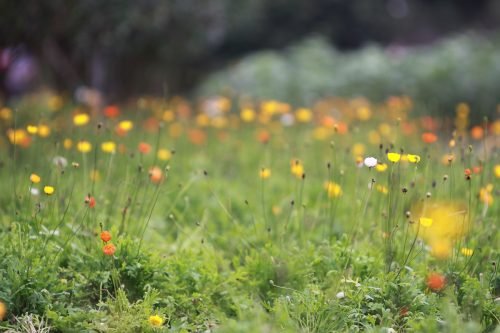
{"x": 125, "y": 48}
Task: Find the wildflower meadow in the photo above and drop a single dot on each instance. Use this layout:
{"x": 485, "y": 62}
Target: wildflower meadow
{"x": 237, "y": 214}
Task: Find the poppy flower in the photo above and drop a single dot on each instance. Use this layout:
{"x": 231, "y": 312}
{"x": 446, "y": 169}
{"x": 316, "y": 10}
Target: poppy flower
{"x": 111, "y": 111}
{"x": 156, "y": 175}
{"x": 436, "y": 282}
{"x": 109, "y": 249}
{"x": 105, "y": 236}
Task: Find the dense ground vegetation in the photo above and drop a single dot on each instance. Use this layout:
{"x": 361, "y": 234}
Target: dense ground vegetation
{"x": 246, "y": 215}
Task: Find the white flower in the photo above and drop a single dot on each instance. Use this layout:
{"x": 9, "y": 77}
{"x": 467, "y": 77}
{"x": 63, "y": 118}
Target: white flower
{"x": 370, "y": 162}
{"x": 34, "y": 191}
{"x": 340, "y": 295}
{"x": 60, "y": 161}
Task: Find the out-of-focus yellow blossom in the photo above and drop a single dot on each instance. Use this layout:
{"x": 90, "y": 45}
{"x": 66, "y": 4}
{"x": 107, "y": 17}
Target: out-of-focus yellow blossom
{"x": 486, "y": 194}
{"x": 247, "y": 115}
{"x": 382, "y": 189}
{"x": 497, "y": 170}
{"x": 358, "y": 149}
{"x": 265, "y": 173}
{"x": 67, "y": 143}
{"x": 95, "y": 175}
{"x": 43, "y": 131}
{"x": 202, "y": 120}
{"x": 363, "y": 113}
{"x": 168, "y": 116}
{"x": 333, "y": 189}
{"x": 297, "y": 168}
{"x": 303, "y": 115}
{"x": 34, "y": 178}
{"x": 81, "y": 119}
{"x": 321, "y": 133}
{"x": 413, "y": 158}
{"x": 381, "y": 167}
{"x": 125, "y": 125}
{"x": 164, "y": 154}
{"x": 32, "y": 129}
{"x": 84, "y": 146}
{"x": 175, "y": 130}
{"x": 108, "y": 147}
{"x": 5, "y": 114}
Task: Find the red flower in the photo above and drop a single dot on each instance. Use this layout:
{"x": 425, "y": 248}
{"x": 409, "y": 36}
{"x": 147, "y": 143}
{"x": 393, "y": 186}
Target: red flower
{"x": 111, "y": 111}
{"x": 89, "y": 200}
{"x": 105, "y": 236}
{"x": 109, "y": 249}
{"x": 436, "y": 282}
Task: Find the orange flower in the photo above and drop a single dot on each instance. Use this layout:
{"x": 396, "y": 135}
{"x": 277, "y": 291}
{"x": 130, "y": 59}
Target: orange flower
{"x": 89, "y": 200}
{"x": 429, "y": 137}
{"x": 155, "y": 175}
{"x": 197, "y": 136}
{"x": 477, "y": 132}
{"x": 3, "y": 310}
{"x": 109, "y": 249}
{"x": 467, "y": 172}
{"x": 144, "y": 148}
{"x": 436, "y": 282}
{"x": 105, "y": 236}
{"x": 263, "y": 136}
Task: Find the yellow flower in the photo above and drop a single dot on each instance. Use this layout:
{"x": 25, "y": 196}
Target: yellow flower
{"x": 155, "y": 320}
{"x": 108, "y": 147}
{"x": 333, "y": 189}
{"x": 164, "y": 154}
{"x": 358, "y": 149}
{"x": 466, "y": 251}
{"x": 95, "y": 175}
{"x": 17, "y": 136}
{"x": 425, "y": 222}
{"x": 497, "y": 170}
{"x": 84, "y": 146}
{"x": 43, "y": 131}
{"x": 441, "y": 249}
{"x": 5, "y": 114}
{"x": 247, "y": 115}
{"x": 125, "y": 125}
{"x": 34, "y": 178}
{"x": 382, "y": 189}
{"x": 303, "y": 115}
{"x": 393, "y": 157}
{"x": 381, "y": 167}
{"x": 413, "y": 158}
{"x": 49, "y": 190}
{"x": 32, "y": 129}
{"x": 67, "y": 143}
{"x": 202, "y": 120}
{"x": 297, "y": 168}
{"x": 168, "y": 116}
{"x": 81, "y": 119}
{"x": 265, "y": 173}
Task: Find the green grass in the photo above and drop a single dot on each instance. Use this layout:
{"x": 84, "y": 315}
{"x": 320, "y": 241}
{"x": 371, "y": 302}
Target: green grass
{"x": 213, "y": 247}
